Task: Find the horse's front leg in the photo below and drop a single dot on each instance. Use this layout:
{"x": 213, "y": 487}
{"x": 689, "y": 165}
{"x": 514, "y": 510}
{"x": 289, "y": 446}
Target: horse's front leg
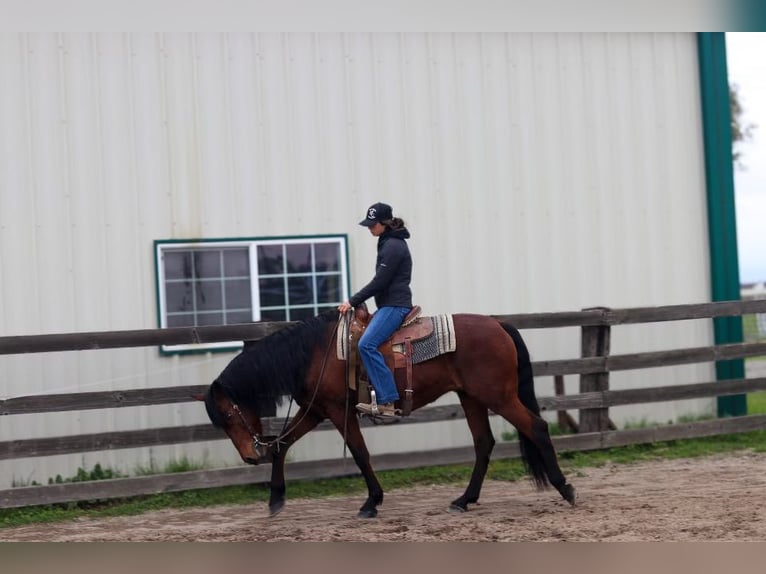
{"x": 304, "y": 421}
{"x": 483, "y": 442}
{"x": 347, "y": 424}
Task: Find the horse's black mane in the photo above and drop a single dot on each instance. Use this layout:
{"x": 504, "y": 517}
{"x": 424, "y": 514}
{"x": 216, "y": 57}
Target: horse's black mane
{"x": 262, "y": 374}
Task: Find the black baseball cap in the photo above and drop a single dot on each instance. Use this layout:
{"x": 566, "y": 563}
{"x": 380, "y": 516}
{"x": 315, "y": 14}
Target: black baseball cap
{"x": 377, "y": 213}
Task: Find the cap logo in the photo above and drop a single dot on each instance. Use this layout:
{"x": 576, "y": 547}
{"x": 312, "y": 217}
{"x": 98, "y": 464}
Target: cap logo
{"x": 371, "y": 213}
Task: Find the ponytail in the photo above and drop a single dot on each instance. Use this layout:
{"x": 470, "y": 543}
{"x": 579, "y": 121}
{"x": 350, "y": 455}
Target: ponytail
{"x": 393, "y": 224}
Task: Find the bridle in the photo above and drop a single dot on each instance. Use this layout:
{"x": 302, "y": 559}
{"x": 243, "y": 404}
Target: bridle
{"x": 262, "y": 446}
{"x": 259, "y": 445}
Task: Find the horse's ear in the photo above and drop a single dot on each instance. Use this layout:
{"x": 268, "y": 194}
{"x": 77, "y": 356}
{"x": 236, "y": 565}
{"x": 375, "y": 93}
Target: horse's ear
{"x": 199, "y": 397}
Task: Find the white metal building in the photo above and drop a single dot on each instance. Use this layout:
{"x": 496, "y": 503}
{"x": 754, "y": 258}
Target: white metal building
{"x": 536, "y": 172}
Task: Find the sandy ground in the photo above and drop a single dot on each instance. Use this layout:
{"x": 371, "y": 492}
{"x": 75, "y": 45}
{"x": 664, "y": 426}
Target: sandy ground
{"x": 717, "y": 498}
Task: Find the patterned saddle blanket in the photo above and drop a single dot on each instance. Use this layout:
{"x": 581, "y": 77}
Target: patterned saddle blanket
{"x": 440, "y": 340}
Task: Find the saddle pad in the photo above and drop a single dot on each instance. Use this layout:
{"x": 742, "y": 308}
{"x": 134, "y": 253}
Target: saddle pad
{"x": 441, "y": 341}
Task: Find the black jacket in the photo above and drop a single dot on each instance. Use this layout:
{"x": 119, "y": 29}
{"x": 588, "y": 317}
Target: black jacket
{"x": 393, "y": 272}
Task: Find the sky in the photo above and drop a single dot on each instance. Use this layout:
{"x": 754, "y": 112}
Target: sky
{"x": 746, "y": 62}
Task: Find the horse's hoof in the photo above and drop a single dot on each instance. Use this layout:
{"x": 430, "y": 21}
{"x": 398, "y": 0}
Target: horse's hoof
{"x": 276, "y": 507}
{"x": 372, "y": 513}
{"x": 455, "y": 509}
{"x": 570, "y": 494}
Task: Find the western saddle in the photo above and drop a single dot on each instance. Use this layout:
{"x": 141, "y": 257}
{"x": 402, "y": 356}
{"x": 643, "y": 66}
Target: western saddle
{"x": 396, "y": 351}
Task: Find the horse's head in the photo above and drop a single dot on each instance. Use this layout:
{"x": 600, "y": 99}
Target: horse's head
{"x": 241, "y": 424}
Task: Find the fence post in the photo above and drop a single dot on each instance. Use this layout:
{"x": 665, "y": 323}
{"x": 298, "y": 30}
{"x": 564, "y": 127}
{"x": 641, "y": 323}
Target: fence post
{"x": 595, "y": 343}
{"x": 564, "y": 419}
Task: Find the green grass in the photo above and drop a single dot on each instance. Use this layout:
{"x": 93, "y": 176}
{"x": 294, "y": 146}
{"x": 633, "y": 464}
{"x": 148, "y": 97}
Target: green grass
{"x": 182, "y": 465}
{"x": 750, "y": 328}
{"x": 756, "y": 403}
{"x": 509, "y": 470}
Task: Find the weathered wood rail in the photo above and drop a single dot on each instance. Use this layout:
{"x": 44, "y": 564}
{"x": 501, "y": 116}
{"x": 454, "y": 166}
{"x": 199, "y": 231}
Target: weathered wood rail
{"x": 593, "y": 401}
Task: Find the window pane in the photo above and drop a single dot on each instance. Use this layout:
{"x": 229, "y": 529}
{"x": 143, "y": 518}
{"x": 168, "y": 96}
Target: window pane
{"x": 236, "y": 317}
{"x": 179, "y": 297}
{"x": 328, "y": 289}
{"x": 238, "y": 294}
{"x": 185, "y": 320}
{"x": 210, "y": 319}
{"x": 270, "y": 260}
{"x": 298, "y": 258}
{"x": 209, "y": 296}
{"x": 328, "y": 308}
{"x": 272, "y": 292}
{"x": 273, "y": 315}
{"x": 177, "y": 264}
{"x": 301, "y": 290}
{"x": 236, "y": 263}
{"x": 301, "y": 314}
{"x": 327, "y": 256}
{"x": 207, "y": 263}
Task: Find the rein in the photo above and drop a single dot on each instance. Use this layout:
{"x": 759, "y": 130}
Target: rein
{"x": 258, "y": 442}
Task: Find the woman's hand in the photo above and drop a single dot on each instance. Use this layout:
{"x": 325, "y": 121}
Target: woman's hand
{"x": 344, "y": 307}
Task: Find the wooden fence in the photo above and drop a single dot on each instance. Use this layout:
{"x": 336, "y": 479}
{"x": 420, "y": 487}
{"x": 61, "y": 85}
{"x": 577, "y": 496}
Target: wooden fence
{"x": 593, "y": 402}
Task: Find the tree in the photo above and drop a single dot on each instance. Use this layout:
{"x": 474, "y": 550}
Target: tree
{"x": 741, "y": 131}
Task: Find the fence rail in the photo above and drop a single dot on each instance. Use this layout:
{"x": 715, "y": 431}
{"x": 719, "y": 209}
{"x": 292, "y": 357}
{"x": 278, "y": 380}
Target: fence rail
{"x": 55, "y": 342}
{"x": 593, "y": 401}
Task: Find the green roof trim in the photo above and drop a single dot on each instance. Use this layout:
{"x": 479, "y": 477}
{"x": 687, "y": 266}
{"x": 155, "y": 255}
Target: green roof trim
{"x": 722, "y": 224}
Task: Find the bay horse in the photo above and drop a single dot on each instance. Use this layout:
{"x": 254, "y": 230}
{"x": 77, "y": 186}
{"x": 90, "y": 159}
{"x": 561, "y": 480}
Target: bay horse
{"x": 490, "y": 369}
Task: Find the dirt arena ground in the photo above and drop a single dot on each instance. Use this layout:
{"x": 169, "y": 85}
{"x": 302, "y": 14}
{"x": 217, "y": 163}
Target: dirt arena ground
{"x": 718, "y": 498}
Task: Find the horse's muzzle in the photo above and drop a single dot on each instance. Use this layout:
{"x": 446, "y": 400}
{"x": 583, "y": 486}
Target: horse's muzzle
{"x": 263, "y": 451}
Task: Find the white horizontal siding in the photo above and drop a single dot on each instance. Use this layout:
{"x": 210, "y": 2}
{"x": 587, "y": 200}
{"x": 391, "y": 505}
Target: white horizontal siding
{"x": 537, "y": 172}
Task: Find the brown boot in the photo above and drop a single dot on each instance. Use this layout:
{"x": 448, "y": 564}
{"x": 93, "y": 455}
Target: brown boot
{"x": 380, "y": 410}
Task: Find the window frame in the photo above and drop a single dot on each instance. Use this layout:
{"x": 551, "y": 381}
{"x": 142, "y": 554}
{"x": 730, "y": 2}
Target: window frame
{"x": 251, "y": 243}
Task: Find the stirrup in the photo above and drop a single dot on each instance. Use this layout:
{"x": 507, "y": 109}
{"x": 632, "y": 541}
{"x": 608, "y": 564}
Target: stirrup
{"x": 377, "y": 410}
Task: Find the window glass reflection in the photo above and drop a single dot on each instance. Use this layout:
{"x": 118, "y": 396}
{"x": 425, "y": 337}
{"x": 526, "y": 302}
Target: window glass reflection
{"x": 236, "y": 263}
{"x": 298, "y": 258}
{"x": 327, "y": 256}
{"x": 270, "y": 260}
{"x": 177, "y": 264}
{"x": 207, "y": 264}
{"x": 272, "y": 292}
{"x": 300, "y": 290}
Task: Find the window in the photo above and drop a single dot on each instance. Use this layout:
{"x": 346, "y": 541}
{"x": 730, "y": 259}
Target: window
{"x": 225, "y": 282}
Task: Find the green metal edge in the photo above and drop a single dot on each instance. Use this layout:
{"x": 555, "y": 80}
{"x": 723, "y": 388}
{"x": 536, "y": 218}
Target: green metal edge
{"x": 722, "y": 227}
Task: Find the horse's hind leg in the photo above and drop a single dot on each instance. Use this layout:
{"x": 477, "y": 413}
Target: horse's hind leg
{"x": 537, "y": 448}
{"x": 477, "y": 417}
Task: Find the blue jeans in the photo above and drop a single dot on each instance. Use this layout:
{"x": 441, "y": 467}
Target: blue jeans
{"x": 384, "y": 322}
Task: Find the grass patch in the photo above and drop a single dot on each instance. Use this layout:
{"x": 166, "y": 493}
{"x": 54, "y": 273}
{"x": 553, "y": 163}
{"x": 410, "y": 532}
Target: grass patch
{"x": 756, "y": 403}
{"x": 507, "y": 469}
{"x": 181, "y": 465}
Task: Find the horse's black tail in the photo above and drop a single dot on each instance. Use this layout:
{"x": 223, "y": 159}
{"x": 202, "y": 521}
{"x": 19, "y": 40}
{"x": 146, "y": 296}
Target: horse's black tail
{"x": 530, "y": 453}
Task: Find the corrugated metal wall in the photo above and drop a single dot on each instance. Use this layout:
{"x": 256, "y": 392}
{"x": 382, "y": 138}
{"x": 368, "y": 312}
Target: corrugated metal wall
{"x": 537, "y": 172}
